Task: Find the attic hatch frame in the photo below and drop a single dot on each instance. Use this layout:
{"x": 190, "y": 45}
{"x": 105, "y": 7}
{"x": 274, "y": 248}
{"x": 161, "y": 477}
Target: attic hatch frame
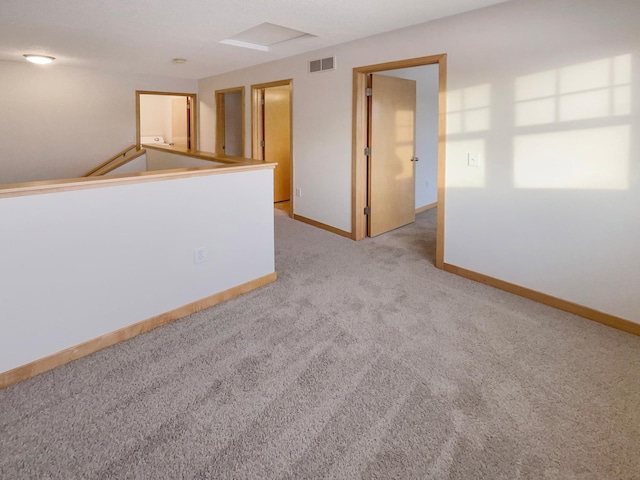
{"x": 192, "y": 115}
{"x": 359, "y": 175}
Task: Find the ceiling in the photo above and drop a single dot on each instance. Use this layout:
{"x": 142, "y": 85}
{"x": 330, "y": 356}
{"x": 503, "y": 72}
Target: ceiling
{"x": 143, "y": 36}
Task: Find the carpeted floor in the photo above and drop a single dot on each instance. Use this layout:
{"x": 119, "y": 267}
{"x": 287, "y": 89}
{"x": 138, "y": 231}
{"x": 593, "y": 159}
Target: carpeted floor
{"x": 361, "y": 361}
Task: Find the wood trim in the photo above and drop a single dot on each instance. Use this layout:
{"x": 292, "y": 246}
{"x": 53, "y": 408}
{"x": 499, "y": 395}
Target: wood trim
{"x": 220, "y": 122}
{"x": 277, "y": 83}
{"x": 565, "y": 305}
{"x": 442, "y": 158}
{"x": 408, "y": 63}
{"x": 65, "y": 185}
{"x": 118, "y": 163}
{"x": 256, "y": 124}
{"x": 121, "y": 153}
{"x": 292, "y": 197}
{"x": 323, "y": 226}
{"x": 426, "y": 207}
{"x": 42, "y": 365}
{"x": 359, "y": 160}
{"x": 138, "y": 119}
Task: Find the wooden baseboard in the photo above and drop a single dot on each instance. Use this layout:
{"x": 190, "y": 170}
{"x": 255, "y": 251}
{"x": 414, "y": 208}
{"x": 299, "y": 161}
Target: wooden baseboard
{"x": 329, "y": 228}
{"x": 565, "y": 305}
{"x": 42, "y": 365}
{"x": 426, "y": 207}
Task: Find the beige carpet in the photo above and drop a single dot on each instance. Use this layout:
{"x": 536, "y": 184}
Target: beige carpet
{"x": 361, "y": 361}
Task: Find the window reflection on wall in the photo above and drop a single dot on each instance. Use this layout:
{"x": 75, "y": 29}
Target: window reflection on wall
{"x": 468, "y": 120}
{"x": 468, "y": 109}
{"x": 588, "y": 140}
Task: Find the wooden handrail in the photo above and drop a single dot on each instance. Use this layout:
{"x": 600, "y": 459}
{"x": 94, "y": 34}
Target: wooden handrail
{"x": 123, "y": 153}
{"x": 118, "y": 163}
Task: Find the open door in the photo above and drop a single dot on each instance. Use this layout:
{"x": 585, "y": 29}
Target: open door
{"x": 271, "y": 133}
{"x": 277, "y": 139}
{"x": 392, "y": 131}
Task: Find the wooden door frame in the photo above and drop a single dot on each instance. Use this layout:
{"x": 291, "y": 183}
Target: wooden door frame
{"x": 359, "y": 175}
{"x": 221, "y": 116}
{"x": 256, "y": 127}
{"x": 193, "y": 113}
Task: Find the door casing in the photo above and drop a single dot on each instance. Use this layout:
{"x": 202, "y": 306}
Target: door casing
{"x": 359, "y": 175}
{"x": 257, "y": 128}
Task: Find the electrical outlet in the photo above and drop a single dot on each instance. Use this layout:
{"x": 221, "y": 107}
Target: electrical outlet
{"x": 473, "y": 160}
{"x": 199, "y": 255}
{"x": 298, "y": 192}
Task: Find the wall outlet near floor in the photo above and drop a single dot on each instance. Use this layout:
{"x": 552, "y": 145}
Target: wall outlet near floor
{"x": 298, "y": 192}
{"x": 199, "y": 255}
{"x": 473, "y": 159}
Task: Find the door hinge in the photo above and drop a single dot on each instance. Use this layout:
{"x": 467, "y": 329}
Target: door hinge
{"x": 262, "y": 101}
{"x": 262, "y": 143}
{"x": 367, "y": 151}
{"x": 367, "y": 210}
{"x": 368, "y": 91}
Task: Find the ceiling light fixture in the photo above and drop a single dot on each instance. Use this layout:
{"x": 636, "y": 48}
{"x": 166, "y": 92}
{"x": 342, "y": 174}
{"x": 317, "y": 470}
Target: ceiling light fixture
{"x": 39, "y": 59}
{"x": 178, "y": 60}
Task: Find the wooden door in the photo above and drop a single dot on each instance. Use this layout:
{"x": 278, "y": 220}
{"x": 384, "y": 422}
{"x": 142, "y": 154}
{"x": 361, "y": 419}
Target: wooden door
{"x": 276, "y": 126}
{"x": 392, "y": 119}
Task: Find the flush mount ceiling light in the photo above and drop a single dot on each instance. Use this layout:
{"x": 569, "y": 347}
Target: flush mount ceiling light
{"x": 263, "y": 36}
{"x": 179, "y": 60}
{"x": 39, "y": 59}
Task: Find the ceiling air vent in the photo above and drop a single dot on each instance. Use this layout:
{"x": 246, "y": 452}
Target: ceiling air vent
{"x": 323, "y": 64}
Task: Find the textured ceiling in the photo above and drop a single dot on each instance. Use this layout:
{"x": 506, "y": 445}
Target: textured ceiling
{"x": 143, "y": 36}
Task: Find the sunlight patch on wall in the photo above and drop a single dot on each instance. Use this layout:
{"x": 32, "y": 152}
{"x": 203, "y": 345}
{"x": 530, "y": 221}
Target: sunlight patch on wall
{"x": 595, "y": 158}
{"x": 468, "y": 109}
{"x": 590, "y": 90}
{"x": 459, "y": 174}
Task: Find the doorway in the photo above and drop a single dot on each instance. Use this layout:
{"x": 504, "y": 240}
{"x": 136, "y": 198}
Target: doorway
{"x": 171, "y": 116}
{"x": 230, "y": 121}
{"x": 271, "y": 134}
{"x": 361, "y": 174}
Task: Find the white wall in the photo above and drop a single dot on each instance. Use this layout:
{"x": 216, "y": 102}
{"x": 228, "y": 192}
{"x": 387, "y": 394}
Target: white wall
{"x": 155, "y": 116}
{"x": 134, "y": 166}
{"x": 426, "y": 78}
{"x": 85, "y": 263}
{"x": 159, "y": 160}
{"x": 58, "y": 122}
{"x": 548, "y": 93}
